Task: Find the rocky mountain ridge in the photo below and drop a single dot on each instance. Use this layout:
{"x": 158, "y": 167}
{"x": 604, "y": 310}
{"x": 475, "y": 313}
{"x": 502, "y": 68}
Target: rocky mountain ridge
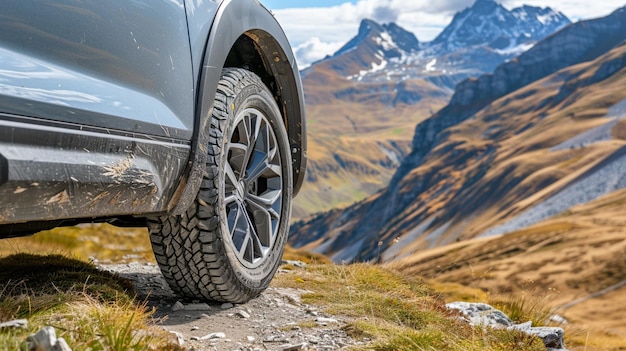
{"x": 489, "y": 23}
{"x": 476, "y": 41}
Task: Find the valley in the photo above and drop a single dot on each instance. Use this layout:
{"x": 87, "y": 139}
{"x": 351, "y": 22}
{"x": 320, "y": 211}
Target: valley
{"x": 364, "y": 102}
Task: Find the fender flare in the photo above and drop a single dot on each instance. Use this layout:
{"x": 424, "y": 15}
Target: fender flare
{"x": 236, "y": 18}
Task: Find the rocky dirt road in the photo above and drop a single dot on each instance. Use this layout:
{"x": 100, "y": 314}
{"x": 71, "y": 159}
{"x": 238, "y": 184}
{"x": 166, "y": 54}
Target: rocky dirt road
{"x": 277, "y": 320}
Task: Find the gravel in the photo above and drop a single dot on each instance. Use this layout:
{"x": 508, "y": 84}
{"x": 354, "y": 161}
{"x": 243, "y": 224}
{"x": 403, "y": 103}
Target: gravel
{"x": 277, "y": 320}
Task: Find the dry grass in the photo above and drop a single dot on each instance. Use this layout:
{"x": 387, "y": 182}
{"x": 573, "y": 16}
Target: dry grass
{"x": 91, "y": 309}
{"x": 397, "y": 312}
{"x": 544, "y": 267}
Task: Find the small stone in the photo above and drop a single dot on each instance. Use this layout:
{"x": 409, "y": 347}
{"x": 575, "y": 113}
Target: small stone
{"x": 552, "y": 337}
{"x": 243, "y": 314}
{"x": 194, "y": 328}
{"x": 251, "y": 338}
{"x": 15, "y": 324}
{"x": 178, "y": 306}
{"x": 293, "y": 347}
{"x": 212, "y": 336}
{"x": 227, "y": 305}
{"x": 558, "y": 319}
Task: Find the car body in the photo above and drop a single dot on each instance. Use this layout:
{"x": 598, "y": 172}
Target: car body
{"x": 105, "y": 106}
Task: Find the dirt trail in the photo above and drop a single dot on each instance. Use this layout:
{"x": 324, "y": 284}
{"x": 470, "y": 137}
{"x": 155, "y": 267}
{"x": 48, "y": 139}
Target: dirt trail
{"x": 277, "y": 320}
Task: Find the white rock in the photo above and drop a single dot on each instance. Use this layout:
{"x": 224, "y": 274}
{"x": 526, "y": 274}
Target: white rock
{"x": 62, "y": 345}
{"x": 44, "y": 339}
{"x": 251, "y": 338}
{"x": 558, "y": 319}
{"x": 525, "y": 327}
{"x": 17, "y": 323}
{"x": 297, "y": 347}
{"x": 481, "y": 314}
{"x": 212, "y": 336}
{"x": 243, "y": 314}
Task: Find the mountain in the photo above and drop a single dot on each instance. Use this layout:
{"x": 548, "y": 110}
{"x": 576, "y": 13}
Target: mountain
{"x": 373, "y": 45}
{"x": 489, "y": 24}
{"x": 364, "y": 101}
{"x": 543, "y": 133}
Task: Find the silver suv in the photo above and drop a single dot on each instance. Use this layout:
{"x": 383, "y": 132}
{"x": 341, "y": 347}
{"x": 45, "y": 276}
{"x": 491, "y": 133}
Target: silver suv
{"x": 180, "y": 115}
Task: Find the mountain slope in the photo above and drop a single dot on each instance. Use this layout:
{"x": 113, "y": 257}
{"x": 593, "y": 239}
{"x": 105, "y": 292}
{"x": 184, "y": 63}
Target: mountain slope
{"x": 576, "y": 259}
{"x": 466, "y": 175}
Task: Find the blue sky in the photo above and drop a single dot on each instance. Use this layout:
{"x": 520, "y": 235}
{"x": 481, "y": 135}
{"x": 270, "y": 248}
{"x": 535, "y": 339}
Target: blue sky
{"x": 317, "y": 28}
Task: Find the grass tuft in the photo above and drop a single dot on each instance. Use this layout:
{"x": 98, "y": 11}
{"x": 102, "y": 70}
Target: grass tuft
{"x": 91, "y": 309}
{"x": 528, "y": 305}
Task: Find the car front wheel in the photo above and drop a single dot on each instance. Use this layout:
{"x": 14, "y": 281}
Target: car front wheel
{"x": 229, "y": 243}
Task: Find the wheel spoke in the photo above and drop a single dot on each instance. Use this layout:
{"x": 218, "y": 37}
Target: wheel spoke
{"x": 267, "y": 200}
{"x": 264, "y": 224}
{"x": 231, "y": 177}
{"x": 263, "y": 162}
{"x": 238, "y": 158}
{"x": 238, "y": 225}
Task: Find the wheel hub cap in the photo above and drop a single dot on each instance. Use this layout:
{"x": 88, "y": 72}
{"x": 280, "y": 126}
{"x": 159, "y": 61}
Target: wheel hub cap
{"x": 253, "y": 188}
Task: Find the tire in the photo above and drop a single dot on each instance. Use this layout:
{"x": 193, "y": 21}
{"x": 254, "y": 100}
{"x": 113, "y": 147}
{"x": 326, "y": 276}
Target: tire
{"x": 229, "y": 243}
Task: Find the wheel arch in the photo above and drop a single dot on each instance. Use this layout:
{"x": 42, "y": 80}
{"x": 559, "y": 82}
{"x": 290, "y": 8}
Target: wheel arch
{"x": 245, "y": 35}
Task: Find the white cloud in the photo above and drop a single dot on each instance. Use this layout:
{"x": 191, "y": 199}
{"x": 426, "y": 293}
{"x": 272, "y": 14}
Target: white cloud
{"x": 574, "y": 9}
{"x": 314, "y": 50}
{"x": 318, "y": 31}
